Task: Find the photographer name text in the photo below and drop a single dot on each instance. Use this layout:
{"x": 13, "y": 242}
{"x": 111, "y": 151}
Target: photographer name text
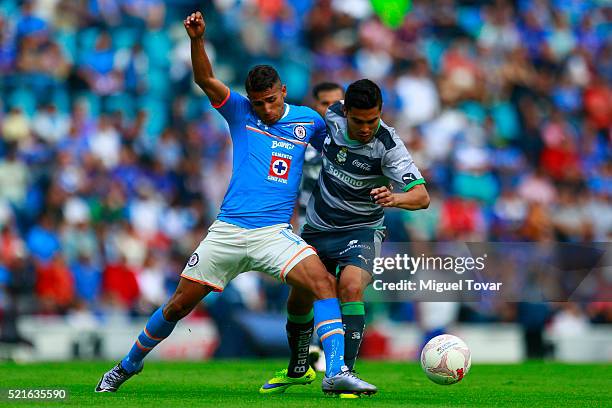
{"x": 431, "y": 285}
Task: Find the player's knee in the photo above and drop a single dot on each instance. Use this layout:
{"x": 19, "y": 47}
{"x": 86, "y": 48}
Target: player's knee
{"x": 324, "y": 286}
{"x": 176, "y": 309}
{"x": 350, "y": 291}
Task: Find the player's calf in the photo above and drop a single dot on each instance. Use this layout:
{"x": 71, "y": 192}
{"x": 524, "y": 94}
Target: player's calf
{"x": 159, "y": 327}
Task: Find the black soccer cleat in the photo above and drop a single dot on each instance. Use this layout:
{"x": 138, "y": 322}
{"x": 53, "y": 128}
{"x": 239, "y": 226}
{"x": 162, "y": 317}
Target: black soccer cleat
{"x": 113, "y": 378}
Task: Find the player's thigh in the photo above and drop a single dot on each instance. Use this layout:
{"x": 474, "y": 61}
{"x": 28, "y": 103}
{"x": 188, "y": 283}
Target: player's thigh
{"x": 324, "y": 243}
{"x": 343, "y": 248}
{"x": 358, "y": 248}
{"x": 310, "y": 275}
{"x": 276, "y": 250}
{"x": 219, "y": 258}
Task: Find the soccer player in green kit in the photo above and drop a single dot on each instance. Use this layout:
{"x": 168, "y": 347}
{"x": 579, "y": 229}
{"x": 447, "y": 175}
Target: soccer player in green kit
{"x": 344, "y": 217}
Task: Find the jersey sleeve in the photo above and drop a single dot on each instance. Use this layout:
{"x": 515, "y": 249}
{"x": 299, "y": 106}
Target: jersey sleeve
{"x": 234, "y": 107}
{"x": 320, "y": 133}
{"x": 398, "y": 166}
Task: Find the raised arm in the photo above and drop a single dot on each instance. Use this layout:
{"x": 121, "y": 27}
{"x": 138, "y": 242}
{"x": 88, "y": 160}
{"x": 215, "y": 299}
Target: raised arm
{"x": 203, "y": 75}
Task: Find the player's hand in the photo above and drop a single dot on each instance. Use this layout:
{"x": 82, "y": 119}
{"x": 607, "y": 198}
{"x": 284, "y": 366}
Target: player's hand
{"x": 195, "y": 25}
{"x": 383, "y": 196}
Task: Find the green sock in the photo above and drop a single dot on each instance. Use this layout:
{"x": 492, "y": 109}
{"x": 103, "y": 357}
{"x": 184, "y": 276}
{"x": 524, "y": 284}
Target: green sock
{"x": 353, "y": 318}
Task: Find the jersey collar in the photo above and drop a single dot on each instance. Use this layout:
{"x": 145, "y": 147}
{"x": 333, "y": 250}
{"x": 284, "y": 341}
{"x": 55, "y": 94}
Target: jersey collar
{"x": 287, "y": 107}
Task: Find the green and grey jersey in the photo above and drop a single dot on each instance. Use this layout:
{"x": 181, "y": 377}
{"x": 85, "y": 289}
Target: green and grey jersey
{"x": 341, "y": 199}
{"x": 310, "y": 175}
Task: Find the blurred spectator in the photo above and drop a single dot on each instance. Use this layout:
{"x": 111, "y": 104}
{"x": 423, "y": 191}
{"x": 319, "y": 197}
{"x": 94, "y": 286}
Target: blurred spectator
{"x": 461, "y": 220}
{"x": 111, "y": 161}
{"x": 14, "y": 178}
{"x": 51, "y": 125}
{"x": 119, "y": 285}
{"x": 43, "y": 239}
{"x": 78, "y": 238}
{"x": 16, "y": 127}
{"x": 105, "y": 143}
{"x": 418, "y": 94}
{"x": 87, "y": 279}
{"x": 54, "y": 285}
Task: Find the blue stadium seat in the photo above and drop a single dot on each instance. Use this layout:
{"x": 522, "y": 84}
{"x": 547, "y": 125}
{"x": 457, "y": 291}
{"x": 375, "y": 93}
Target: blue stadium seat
{"x": 124, "y": 37}
{"x": 24, "y": 99}
{"x": 68, "y": 41}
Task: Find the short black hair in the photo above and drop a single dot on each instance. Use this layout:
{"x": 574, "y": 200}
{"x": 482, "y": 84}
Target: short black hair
{"x": 363, "y": 94}
{"x": 323, "y": 87}
{"x": 261, "y": 78}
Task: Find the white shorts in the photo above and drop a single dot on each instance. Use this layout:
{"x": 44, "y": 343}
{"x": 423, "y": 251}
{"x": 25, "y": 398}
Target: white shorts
{"x": 229, "y": 250}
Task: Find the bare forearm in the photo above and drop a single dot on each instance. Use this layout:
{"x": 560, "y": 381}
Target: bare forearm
{"x": 203, "y": 73}
{"x": 202, "y": 68}
{"x": 415, "y": 199}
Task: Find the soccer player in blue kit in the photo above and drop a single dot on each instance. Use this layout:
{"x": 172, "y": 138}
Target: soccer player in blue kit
{"x": 252, "y": 230}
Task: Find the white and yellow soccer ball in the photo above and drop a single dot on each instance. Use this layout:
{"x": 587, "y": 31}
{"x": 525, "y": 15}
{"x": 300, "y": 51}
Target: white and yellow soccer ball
{"x": 446, "y": 359}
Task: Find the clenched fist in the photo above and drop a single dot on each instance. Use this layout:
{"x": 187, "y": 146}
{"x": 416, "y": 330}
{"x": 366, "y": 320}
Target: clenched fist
{"x": 195, "y": 25}
{"x": 384, "y": 196}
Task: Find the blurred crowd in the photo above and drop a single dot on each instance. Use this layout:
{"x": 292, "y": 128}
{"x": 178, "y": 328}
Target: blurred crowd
{"x": 113, "y": 164}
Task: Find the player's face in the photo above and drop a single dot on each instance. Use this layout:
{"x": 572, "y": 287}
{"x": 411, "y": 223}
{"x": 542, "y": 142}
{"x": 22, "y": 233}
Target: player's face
{"x": 362, "y": 123}
{"x": 269, "y": 105}
{"x": 327, "y": 98}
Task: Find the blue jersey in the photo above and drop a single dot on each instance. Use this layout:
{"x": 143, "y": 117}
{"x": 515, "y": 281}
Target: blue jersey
{"x": 267, "y": 162}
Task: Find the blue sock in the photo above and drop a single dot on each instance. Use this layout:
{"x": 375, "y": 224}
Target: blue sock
{"x": 157, "y": 329}
{"x": 328, "y": 325}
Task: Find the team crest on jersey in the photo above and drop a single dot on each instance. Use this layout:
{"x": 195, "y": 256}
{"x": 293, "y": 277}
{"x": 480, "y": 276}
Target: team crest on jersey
{"x": 341, "y": 156}
{"x": 280, "y": 164}
{"x": 193, "y": 260}
{"x": 299, "y": 132}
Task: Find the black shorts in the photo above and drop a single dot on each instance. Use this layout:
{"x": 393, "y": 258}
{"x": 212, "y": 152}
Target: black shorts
{"x": 338, "y": 249}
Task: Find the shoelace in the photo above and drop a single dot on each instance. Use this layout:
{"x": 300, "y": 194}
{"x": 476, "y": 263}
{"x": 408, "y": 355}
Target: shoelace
{"x": 115, "y": 375}
{"x": 349, "y": 373}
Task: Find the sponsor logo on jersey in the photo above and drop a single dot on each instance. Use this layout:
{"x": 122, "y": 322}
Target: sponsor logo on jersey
{"x": 332, "y": 171}
{"x": 355, "y": 244}
{"x": 279, "y": 168}
{"x": 361, "y": 165}
{"x": 283, "y": 145}
{"x": 299, "y": 132}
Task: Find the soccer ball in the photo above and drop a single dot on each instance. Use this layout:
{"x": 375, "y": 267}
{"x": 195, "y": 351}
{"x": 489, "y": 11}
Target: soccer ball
{"x": 446, "y": 359}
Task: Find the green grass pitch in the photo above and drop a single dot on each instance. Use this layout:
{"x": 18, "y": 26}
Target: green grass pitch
{"x": 235, "y": 384}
